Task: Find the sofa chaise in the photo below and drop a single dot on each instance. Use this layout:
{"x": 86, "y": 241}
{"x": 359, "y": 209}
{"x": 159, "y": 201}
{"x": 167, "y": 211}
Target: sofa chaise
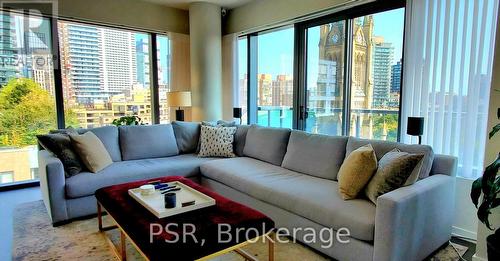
{"x": 289, "y": 175}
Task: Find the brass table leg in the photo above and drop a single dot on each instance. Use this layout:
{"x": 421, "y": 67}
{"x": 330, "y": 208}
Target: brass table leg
{"x": 99, "y": 219}
{"x": 272, "y": 238}
{"x": 99, "y": 216}
{"x": 123, "y": 246}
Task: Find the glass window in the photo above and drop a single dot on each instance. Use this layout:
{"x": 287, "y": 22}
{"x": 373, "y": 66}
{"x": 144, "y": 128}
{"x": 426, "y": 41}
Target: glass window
{"x": 325, "y": 78}
{"x": 376, "y": 75}
{"x": 164, "y": 61}
{"x": 6, "y": 177}
{"x": 27, "y": 103}
{"x": 241, "y": 93}
{"x": 105, "y": 74}
{"x": 275, "y": 78}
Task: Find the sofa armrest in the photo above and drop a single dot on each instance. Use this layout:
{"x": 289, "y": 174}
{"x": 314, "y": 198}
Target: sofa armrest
{"x": 411, "y": 222}
{"x": 52, "y": 185}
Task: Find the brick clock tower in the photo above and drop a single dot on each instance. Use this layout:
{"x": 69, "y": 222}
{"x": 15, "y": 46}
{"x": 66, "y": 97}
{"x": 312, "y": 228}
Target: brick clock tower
{"x": 331, "y": 69}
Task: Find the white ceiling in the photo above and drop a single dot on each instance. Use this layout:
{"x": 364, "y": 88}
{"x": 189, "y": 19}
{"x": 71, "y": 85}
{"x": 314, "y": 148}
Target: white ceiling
{"x": 184, "y": 4}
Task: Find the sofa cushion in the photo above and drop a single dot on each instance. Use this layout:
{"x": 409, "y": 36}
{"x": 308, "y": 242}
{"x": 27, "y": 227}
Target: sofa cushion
{"x": 327, "y": 153}
{"x": 187, "y": 135}
{"x": 148, "y": 141}
{"x": 313, "y": 198}
{"x": 217, "y": 142}
{"x": 394, "y": 168}
{"x": 86, "y": 183}
{"x": 382, "y": 147}
{"x": 109, "y": 137}
{"x": 59, "y": 144}
{"x": 267, "y": 144}
{"x": 91, "y": 150}
{"x": 356, "y": 171}
{"x": 239, "y": 139}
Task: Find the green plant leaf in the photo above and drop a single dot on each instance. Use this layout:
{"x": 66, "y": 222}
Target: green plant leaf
{"x": 495, "y": 129}
{"x": 483, "y": 212}
{"x": 475, "y": 191}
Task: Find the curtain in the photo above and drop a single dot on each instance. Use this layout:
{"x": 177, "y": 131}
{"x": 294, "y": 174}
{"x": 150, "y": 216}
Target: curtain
{"x": 447, "y": 73}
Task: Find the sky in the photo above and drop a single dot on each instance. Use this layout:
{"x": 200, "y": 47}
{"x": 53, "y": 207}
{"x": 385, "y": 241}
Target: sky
{"x": 275, "y": 49}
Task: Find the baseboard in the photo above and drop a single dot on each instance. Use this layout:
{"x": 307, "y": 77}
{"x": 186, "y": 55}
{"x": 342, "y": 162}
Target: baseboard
{"x": 460, "y": 232}
{"x": 477, "y": 258}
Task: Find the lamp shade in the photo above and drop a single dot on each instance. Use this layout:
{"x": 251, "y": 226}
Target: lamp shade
{"x": 179, "y": 99}
{"x": 415, "y": 126}
{"x": 236, "y": 112}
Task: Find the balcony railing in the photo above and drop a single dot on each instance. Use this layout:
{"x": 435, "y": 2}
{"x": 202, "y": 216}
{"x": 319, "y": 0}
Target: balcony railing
{"x": 275, "y": 116}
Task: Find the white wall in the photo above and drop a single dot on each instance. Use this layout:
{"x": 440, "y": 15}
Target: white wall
{"x": 261, "y": 13}
{"x": 132, "y": 13}
{"x": 465, "y": 224}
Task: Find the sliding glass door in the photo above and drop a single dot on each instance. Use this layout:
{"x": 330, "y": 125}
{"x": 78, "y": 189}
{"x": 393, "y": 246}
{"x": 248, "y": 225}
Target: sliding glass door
{"x": 275, "y": 78}
{"x": 352, "y": 74}
{"x": 325, "y": 78}
{"x": 376, "y": 75}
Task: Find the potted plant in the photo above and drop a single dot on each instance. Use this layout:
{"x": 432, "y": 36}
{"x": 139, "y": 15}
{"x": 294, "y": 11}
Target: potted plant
{"x": 488, "y": 186}
{"x": 128, "y": 120}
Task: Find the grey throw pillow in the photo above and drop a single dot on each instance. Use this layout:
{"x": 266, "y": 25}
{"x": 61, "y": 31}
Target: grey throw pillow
{"x": 393, "y": 170}
{"x": 60, "y": 145}
{"x": 217, "y": 142}
{"x": 187, "y": 135}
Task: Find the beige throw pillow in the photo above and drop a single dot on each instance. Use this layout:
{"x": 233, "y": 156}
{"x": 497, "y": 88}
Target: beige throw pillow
{"x": 394, "y": 169}
{"x": 356, "y": 171}
{"x": 91, "y": 150}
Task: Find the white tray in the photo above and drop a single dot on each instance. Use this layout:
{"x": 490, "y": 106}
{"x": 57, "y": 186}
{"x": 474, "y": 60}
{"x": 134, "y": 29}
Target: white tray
{"x": 155, "y": 202}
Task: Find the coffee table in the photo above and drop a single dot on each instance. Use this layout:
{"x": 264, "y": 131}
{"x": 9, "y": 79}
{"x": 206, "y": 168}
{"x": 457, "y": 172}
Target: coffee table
{"x": 197, "y": 230}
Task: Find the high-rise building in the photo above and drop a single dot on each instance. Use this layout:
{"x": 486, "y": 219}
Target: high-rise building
{"x": 82, "y": 63}
{"x": 38, "y": 52}
{"x": 119, "y": 56}
{"x": 8, "y": 53}
{"x": 43, "y": 71}
{"x": 282, "y": 91}
{"x": 396, "y": 77}
{"x": 382, "y": 62}
{"x": 142, "y": 57}
{"x": 164, "y": 56}
{"x": 98, "y": 63}
{"x": 265, "y": 90}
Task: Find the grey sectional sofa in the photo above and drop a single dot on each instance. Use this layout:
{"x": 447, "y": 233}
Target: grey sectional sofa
{"x": 288, "y": 175}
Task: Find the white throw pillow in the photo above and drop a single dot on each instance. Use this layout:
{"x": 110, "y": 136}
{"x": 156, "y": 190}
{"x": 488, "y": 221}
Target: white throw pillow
{"x": 217, "y": 142}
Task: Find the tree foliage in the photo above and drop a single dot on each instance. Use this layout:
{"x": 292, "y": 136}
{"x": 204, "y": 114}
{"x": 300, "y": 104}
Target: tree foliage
{"x": 385, "y": 125}
{"x": 26, "y": 110}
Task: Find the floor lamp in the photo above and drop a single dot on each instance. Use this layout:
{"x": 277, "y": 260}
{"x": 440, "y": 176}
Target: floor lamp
{"x": 179, "y": 99}
{"x": 415, "y": 127}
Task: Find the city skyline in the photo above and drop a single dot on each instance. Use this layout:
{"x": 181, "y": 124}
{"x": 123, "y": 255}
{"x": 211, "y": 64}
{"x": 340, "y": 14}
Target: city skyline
{"x": 273, "y": 41}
